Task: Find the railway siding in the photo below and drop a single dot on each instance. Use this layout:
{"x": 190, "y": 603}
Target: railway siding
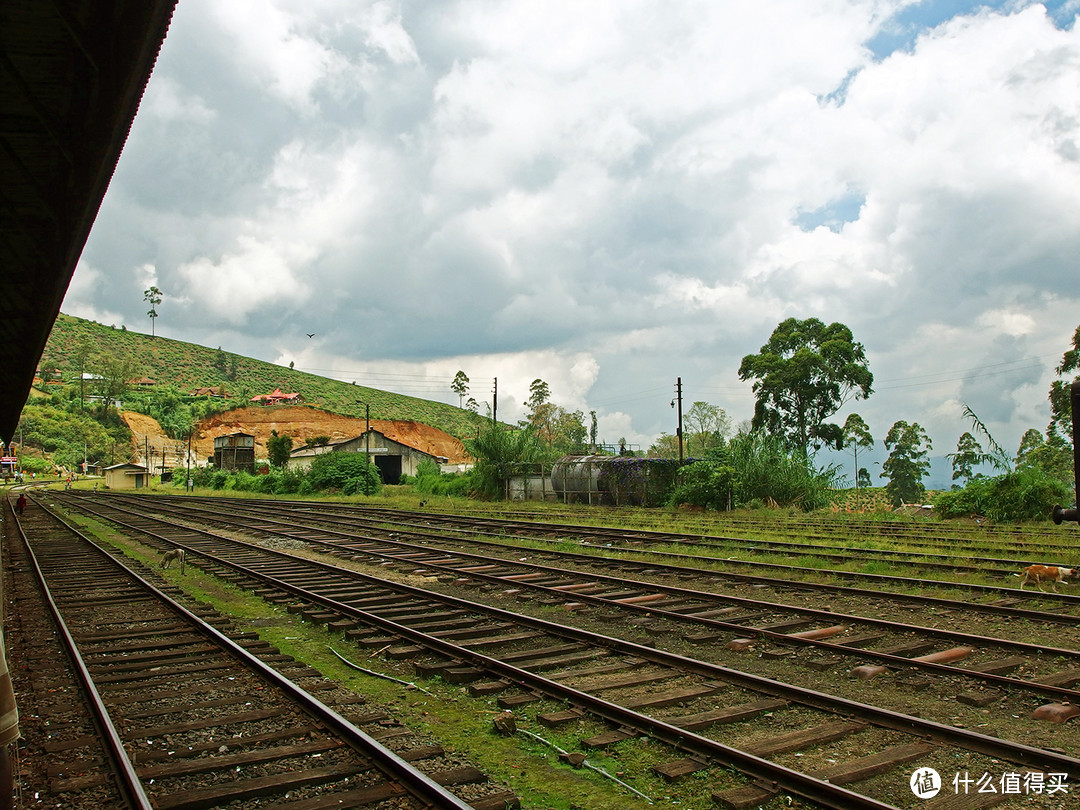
{"x": 456, "y": 661}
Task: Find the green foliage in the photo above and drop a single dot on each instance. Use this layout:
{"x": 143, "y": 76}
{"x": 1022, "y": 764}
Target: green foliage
{"x": 769, "y": 471}
{"x": 115, "y": 373}
{"x": 856, "y": 434}
{"x": 665, "y": 446}
{"x": 34, "y": 464}
{"x": 1052, "y": 456}
{"x": 907, "y": 462}
{"x": 568, "y": 434}
{"x": 709, "y": 484}
{"x": 1061, "y": 420}
{"x": 66, "y": 432}
{"x": 221, "y": 362}
{"x": 499, "y": 453}
{"x": 177, "y": 413}
{"x": 351, "y": 473}
{"x": 153, "y": 297}
{"x": 279, "y": 448}
{"x": 460, "y": 386}
{"x": 803, "y": 375}
{"x": 186, "y": 366}
{"x": 997, "y": 455}
{"x": 1024, "y": 494}
{"x": 706, "y": 427}
{"x": 638, "y": 481}
{"x": 345, "y": 472}
{"x": 430, "y": 481}
{"x": 969, "y": 454}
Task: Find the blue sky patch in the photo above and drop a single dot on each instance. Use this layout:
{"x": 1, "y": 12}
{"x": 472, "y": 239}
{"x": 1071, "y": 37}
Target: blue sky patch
{"x": 833, "y": 215}
{"x": 900, "y": 33}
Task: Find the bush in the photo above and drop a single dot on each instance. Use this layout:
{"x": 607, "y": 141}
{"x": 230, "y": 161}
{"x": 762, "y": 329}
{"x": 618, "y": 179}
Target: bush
{"x": 498, "y": 453}
{"x": 368, "y": 483}
{"x": 768, "y": 473}
{"x": 1027, "y": 494}
{"x": 244, "y": 482}
{"x": 35, "y": 464}
{"x": 708, "y": 484}
{"x": 430, "y": 481}
{"x": 336, "y": 470}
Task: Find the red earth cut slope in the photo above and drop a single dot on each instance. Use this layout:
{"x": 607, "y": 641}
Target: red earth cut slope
{"x": 300, "y": 423}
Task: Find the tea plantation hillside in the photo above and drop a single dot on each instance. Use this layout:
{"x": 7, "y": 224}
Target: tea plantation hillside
{"x": 185, "y": 366}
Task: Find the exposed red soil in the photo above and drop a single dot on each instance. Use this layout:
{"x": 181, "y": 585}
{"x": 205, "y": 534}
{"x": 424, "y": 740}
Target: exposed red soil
{"x": 299, "y": 422}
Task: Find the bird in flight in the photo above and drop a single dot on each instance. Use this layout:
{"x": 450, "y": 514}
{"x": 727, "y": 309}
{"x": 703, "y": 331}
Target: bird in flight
{"x": 310, "y": 334}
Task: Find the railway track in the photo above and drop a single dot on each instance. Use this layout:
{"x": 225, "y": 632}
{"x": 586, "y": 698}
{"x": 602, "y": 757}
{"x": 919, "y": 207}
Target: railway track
{"x": 464, "y": 641}
{"x": 443, "y": 531}
{"x": 730, "y": 551}
{"x": 925, "y": 564}
{"x": 910, "y": 533}
{"x": 639, "y": 543}
{"x": 703, "y": 615}
{"x": 177, "y": 714}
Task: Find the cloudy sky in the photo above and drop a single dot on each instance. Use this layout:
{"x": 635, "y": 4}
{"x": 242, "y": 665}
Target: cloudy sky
{"x": 610, "y": 195}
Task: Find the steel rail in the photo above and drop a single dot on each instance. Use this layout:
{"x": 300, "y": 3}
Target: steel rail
{"x": 931, "y": 560}
{"x": 884, "y": 578}
{"x": 818, "y": 791}
{"x": 128, "y": 781}
{"x": 418, "y": 784}
{"x": 1063, "y": 693}
{"x": 679, "y": 570}
{"x": 896, "y": 661}
{"x": 964, "y": 738}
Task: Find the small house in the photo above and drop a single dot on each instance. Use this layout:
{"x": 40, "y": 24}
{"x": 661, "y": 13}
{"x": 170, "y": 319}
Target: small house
{"x": 213, "y": 392}
{"x": 126, "y": 476}
{"x": 277, "y": 397}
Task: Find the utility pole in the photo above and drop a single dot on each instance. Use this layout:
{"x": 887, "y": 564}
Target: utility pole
{"x": 678, "y": 430}
{"x": 495, "y": 403}
{"x": 367, "y": 433}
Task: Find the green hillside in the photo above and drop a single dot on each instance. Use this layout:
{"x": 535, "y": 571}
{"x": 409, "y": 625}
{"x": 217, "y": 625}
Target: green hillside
{"x": 185, "y": 366}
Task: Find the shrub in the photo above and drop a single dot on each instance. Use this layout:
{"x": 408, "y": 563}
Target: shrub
{"x": 244, "y": 482}
{"x": 498, "y": 452}
{"x": 708, "y": 484}
{"x": 35, "y": 464}
{"x": 367, "y": 483}
{"x": 288, "y": 482}
{"x": 430, "y": 481}
{"x": 1026, "y": 494}
{"x": 768, "y": 472}
{"x": 336, "y": 470}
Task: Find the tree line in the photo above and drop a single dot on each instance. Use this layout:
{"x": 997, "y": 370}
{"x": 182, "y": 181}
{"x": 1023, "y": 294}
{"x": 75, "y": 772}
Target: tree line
{"x": 802, "y": 377}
